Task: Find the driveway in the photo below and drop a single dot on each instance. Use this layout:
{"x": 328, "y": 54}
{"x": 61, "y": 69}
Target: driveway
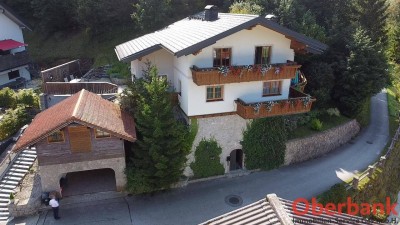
{"x": 202, "y": 201}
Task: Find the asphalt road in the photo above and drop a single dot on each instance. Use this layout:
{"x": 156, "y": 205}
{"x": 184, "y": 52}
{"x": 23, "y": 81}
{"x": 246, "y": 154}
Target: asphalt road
{"x": 202, "y": 201}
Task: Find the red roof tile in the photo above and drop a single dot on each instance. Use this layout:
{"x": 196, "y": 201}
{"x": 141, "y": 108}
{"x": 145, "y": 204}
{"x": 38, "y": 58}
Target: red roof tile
{"x": 85, "y": 108}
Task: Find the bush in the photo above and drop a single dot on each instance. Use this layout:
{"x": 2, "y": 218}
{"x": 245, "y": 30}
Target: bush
{"x": 13, "y": 120}
{"x": 333, "y": 112}
{"x": 7, "y": 98}
{"x": 336, "y": 194}
{"x": 264, "y": 143}
{"x": 119, "y": 70}
{"x": 316, "y": 124}
{"x": 27, "y": 97}
{"x": 207, "y": 162}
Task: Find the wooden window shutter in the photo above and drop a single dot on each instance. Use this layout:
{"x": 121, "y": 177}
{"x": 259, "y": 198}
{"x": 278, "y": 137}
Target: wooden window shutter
{"x": 80, "y": 139}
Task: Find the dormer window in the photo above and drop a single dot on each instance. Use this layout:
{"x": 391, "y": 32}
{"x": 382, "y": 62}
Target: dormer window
{"x": 57, "y": 136}
{"x": 263, "y": 55}
{"x": 222, "y": 57}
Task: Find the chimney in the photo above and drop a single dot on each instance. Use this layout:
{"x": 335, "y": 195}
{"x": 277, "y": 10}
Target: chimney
{"x": 210, "y": 13}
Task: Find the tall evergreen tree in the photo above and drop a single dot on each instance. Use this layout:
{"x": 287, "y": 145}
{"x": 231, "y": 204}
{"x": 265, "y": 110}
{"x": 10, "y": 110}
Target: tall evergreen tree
{"x": 371, "y": 16}
{"x": 161, "y": 148}
{"x": 393, "y": 28}
{"x": 365, "y": 76}
{"x": 150, "y": 14}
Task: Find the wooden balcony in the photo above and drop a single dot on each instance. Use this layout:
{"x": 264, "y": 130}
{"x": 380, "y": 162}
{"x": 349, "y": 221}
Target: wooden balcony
{"x": 237, "y": 74}
{"x": 12, "y": 61}
{"x": 298, "y": 102}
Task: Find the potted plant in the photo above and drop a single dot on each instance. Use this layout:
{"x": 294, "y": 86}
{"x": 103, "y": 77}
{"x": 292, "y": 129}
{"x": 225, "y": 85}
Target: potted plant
{"x": 11, "y": 197}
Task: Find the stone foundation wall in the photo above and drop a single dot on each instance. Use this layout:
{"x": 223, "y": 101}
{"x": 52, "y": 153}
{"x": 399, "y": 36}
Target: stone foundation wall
{"x": 227, "y": 130}
{"x": 28, "y": 196}
{"x": 51, "y": 174}
{"x": 299, "y": 150}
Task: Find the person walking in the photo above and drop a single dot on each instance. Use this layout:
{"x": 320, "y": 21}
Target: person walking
{"x": 55, "y": 206}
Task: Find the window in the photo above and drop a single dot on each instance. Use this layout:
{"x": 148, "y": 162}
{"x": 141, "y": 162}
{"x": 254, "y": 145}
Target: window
{"x": 57, "y": 136}
{"x": 101, "y": 134}
{"x": 272, "y": 88}
{"x": 222, "y": 57}
{"x": 13, "y": 74}
{"x": 79, "y": 139}
{"x": 263, "y": 55}
{"x": 214, "y": 93}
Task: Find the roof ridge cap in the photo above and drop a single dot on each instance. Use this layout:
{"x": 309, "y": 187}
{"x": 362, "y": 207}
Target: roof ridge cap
{"x": 78, "y": 103}
{"x": 280, "y": 211}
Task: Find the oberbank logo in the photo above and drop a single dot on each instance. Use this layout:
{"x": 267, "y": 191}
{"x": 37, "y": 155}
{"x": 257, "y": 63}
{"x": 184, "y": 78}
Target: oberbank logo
{"x": 302, "y": 206}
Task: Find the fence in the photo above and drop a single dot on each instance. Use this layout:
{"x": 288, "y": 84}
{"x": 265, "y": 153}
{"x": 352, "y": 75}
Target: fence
{"x": 372, "y": 168}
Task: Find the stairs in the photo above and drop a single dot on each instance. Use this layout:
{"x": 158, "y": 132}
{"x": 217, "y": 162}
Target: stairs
{"x": 13, "y": 176}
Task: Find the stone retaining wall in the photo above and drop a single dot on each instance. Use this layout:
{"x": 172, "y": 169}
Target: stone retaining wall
{"x": 28, "y": 197}
{"x": 299, "y": 150}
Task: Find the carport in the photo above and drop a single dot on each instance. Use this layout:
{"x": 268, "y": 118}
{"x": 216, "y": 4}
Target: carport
{"x": 87, "y": 182}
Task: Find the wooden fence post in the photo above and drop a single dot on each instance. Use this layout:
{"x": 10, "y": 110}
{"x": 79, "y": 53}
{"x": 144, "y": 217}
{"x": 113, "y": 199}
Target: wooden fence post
{"x": 355, "y": 183}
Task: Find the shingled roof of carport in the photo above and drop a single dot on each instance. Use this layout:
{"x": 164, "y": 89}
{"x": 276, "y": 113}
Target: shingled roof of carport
{"x": 190, "y": 35}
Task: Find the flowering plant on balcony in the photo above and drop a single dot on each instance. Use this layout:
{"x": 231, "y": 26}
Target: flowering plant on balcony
{"x": 306, "y": 100}
{"x": 265, "y": 68}
{"x": 248, "y": 67}
{"x": 224, "y": 70}
{"x": 257, "y": 107}
{"x": 277, "y": 70}
{"x": 236, "y": 71}
{"x": 269, "y": 105}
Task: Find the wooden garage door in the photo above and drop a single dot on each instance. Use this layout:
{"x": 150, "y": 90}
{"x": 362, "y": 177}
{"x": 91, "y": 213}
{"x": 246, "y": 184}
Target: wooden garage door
{"x": 80, "y": 139}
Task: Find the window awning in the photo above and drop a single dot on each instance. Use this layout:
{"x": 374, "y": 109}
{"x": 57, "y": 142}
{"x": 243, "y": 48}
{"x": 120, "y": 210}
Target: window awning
{"x": 10, "y": 44}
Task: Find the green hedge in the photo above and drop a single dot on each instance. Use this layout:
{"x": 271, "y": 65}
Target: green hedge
{"x": 207, "y": 162}
{"x": 264, "y": 143}
{"x": 13, "y": 120}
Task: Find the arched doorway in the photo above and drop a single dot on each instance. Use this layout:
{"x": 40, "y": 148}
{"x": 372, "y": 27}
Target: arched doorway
{"x": 236, "y": 160}
{"x": 87, "y": 182}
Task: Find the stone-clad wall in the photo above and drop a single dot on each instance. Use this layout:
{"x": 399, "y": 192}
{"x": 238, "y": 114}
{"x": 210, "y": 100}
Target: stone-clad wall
{"x": 299, "y": 150}
{"x": 227, "y": 130}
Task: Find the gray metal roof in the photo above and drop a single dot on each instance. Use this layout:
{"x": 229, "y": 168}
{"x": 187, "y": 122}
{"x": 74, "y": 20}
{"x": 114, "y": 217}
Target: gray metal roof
{"x": 277, "y": 211}
{"x": 190, "y": 35}
{"x": 13, "y": 16}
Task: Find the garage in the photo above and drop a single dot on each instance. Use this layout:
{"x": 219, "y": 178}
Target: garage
{"x": 88, "y": 182}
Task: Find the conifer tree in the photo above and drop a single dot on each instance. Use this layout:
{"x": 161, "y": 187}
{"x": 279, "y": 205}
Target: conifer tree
{"x": 365, "y": 76}
{"x": 159, "y": 155}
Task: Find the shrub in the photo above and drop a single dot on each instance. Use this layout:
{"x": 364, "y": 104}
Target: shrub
{"x": 316, "y": 124}
{"x": 119, "y": 70}
{"x": 207, "y": 162}
{"x": 13, "y": 120}
{"x": 264, "y": 143}
{"x": 27, "y": 97}
{"x": 336, "y": 194}
{"x": 11, "y": 196}
{"x": 333, "y": 112}
{"x": 7, "y": 98}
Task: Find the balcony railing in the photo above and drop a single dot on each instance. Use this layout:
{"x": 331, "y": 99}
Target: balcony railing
{"x": 63, "y": 88}
{"x": 237, "y": 74}
{"x": 11, "y": 61}
{"x": 298, "y": 102}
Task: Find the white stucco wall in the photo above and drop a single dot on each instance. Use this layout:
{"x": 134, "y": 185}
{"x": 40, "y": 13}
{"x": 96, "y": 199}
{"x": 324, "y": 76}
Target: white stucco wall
{"x": 23, "y": 72}
{"x": 10, "y": 30}
{"x": 161, "y": 58}
{"x": 243, "y": 44}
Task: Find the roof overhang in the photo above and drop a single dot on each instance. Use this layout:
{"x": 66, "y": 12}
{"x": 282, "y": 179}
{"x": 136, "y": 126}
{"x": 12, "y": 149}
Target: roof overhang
{"x": 308, "y": 44}
{"x": 14, "y": 17}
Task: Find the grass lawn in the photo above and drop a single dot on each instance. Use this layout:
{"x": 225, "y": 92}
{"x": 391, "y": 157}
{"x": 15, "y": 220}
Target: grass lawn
{"x": 327, "y": 122}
